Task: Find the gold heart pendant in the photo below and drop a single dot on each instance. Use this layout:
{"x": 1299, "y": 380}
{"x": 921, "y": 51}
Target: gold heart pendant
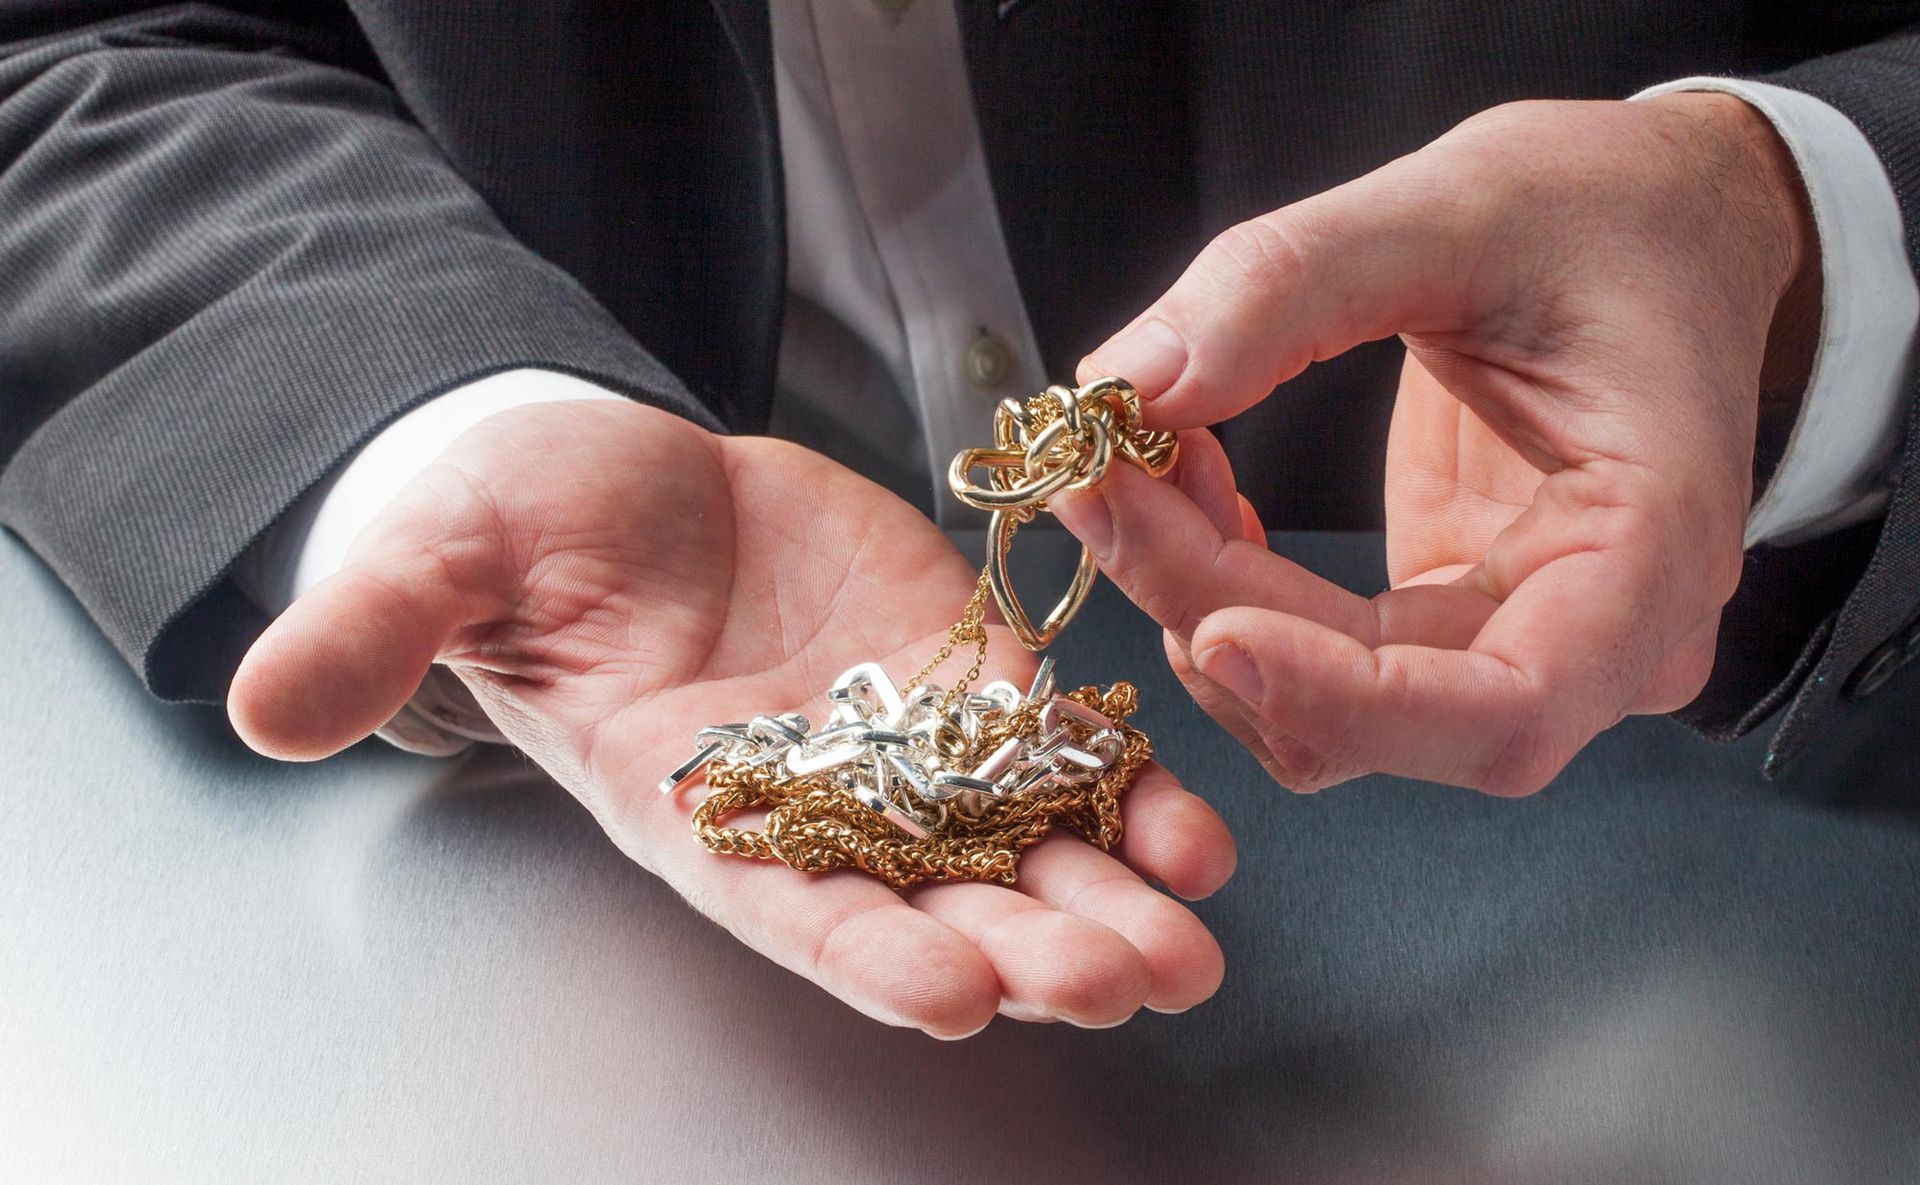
{"x": 1042, "y": 636}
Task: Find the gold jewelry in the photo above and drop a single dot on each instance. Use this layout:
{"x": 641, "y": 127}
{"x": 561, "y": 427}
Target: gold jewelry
{"x": 1057, "y": 440}
{"x": 928, "y": 784}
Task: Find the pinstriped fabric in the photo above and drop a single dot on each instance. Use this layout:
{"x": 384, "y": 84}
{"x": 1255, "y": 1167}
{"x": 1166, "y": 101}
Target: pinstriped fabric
{"x": 221, "y": 268}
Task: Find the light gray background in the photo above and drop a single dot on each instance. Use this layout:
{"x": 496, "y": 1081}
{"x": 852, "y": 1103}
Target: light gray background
{"x": 385, "y": 968}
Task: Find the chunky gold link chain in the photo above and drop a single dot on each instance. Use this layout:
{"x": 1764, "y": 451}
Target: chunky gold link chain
{"x": 1060, "y": 439}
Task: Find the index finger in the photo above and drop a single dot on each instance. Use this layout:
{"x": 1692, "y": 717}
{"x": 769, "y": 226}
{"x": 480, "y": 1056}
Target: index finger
{"x": 1168, "y": 557}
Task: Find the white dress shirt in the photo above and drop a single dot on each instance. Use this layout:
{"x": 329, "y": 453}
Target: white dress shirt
{"x": 905, "y": 325}
{"x": 1837, "y": 461}
{"x": 892, "y": 233}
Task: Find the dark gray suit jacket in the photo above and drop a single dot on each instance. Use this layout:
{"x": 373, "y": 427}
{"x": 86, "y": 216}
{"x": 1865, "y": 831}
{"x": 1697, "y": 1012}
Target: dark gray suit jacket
{"x": 236, "y": 239}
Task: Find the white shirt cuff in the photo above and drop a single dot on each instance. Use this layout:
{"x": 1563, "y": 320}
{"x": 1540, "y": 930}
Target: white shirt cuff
{"x": 311, "y": 540}
{"x": 1835, "y": 470}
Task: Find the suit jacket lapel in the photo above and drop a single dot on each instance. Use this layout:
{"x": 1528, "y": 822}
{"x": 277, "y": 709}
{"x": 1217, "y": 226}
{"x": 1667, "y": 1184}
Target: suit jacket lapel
{"x": 749, "y": 31}
{"x": 748, "y": 28}
{"x": 1092, "y": 209}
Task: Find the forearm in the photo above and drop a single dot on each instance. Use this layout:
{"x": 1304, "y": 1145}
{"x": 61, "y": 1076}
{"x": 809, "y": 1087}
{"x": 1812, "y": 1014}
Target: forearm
{"x": 224, "y": 264}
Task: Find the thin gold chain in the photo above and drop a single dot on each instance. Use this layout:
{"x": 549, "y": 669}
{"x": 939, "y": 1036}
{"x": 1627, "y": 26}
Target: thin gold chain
{"x": 971, "y": 629}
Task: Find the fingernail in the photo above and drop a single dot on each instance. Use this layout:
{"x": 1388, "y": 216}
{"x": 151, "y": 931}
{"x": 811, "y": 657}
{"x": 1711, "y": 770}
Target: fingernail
{"x": 1086, "y": 1024}
{"x": 1150, "y": 355}
{"x": 1191, "y": 896}
{"x": 1088, "y": 516}
{"x": 1169, "y": 1011}
{"x": 1232, "y": 668}
{"x": 957, "y": 1036}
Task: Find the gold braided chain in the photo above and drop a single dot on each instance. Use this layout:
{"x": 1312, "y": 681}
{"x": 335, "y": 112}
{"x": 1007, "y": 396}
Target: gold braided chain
{"x": 814, "y": 825}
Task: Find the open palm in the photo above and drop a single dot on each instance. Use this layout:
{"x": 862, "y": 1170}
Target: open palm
{"x": 607, "y": 578}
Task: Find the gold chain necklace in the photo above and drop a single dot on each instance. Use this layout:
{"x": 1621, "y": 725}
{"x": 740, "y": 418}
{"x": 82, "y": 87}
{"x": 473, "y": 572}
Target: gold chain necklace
{"x": 932, "y": 784}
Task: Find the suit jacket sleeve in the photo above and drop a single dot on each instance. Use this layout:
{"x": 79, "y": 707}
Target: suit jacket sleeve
{"x": 1818, "y": 628}
{"x": 226, "y": 257}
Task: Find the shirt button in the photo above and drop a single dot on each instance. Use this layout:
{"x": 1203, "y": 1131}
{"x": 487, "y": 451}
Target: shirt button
{"x": 1886, "y": 659}
{"x": 989, "y": 362}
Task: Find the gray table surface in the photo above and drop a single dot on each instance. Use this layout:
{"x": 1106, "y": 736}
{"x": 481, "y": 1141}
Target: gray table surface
{"x": 385, "y": 968}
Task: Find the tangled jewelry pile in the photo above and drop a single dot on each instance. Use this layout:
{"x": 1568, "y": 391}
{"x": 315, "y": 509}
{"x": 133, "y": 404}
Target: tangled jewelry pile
{"x": 939, "y": 785}
{"x": 921, "y": 785}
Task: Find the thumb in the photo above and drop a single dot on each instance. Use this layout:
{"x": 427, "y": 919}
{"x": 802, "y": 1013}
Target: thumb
{"x": 344, "y": 658}
{"x": 1375, "y": 257}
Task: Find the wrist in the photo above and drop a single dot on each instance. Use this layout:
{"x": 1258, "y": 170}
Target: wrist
{"x": 1785, "y": 242}
{"x": 312, "y": 541}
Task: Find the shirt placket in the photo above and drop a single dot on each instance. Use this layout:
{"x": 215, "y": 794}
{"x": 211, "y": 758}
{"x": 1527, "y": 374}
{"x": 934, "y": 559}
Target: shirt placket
{"x": 896, "y": 76}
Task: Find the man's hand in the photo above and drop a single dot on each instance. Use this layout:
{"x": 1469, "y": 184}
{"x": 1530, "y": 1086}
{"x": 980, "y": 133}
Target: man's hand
{"x": 1587, "y": 292}
{"x": 608, "y": 578}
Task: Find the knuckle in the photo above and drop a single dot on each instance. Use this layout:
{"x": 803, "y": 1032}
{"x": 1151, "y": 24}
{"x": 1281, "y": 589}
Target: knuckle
{"x": 1503, "y": 119}
{"x": 1171, "y": 593}
{"x": 1168, "y": 938}
{"x": 821, "y": 950}
{"x": 1481, "y": 171}
{"x": 1302, "y": 769}
{"x": 1528, "y": 759}
{"x": 1258, "y": 253}
{"x": 1166, "y": 602}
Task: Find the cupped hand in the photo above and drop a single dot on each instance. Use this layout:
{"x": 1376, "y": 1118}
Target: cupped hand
{"x": 1593, "y": 297}
{"x": 607, "y": 579}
